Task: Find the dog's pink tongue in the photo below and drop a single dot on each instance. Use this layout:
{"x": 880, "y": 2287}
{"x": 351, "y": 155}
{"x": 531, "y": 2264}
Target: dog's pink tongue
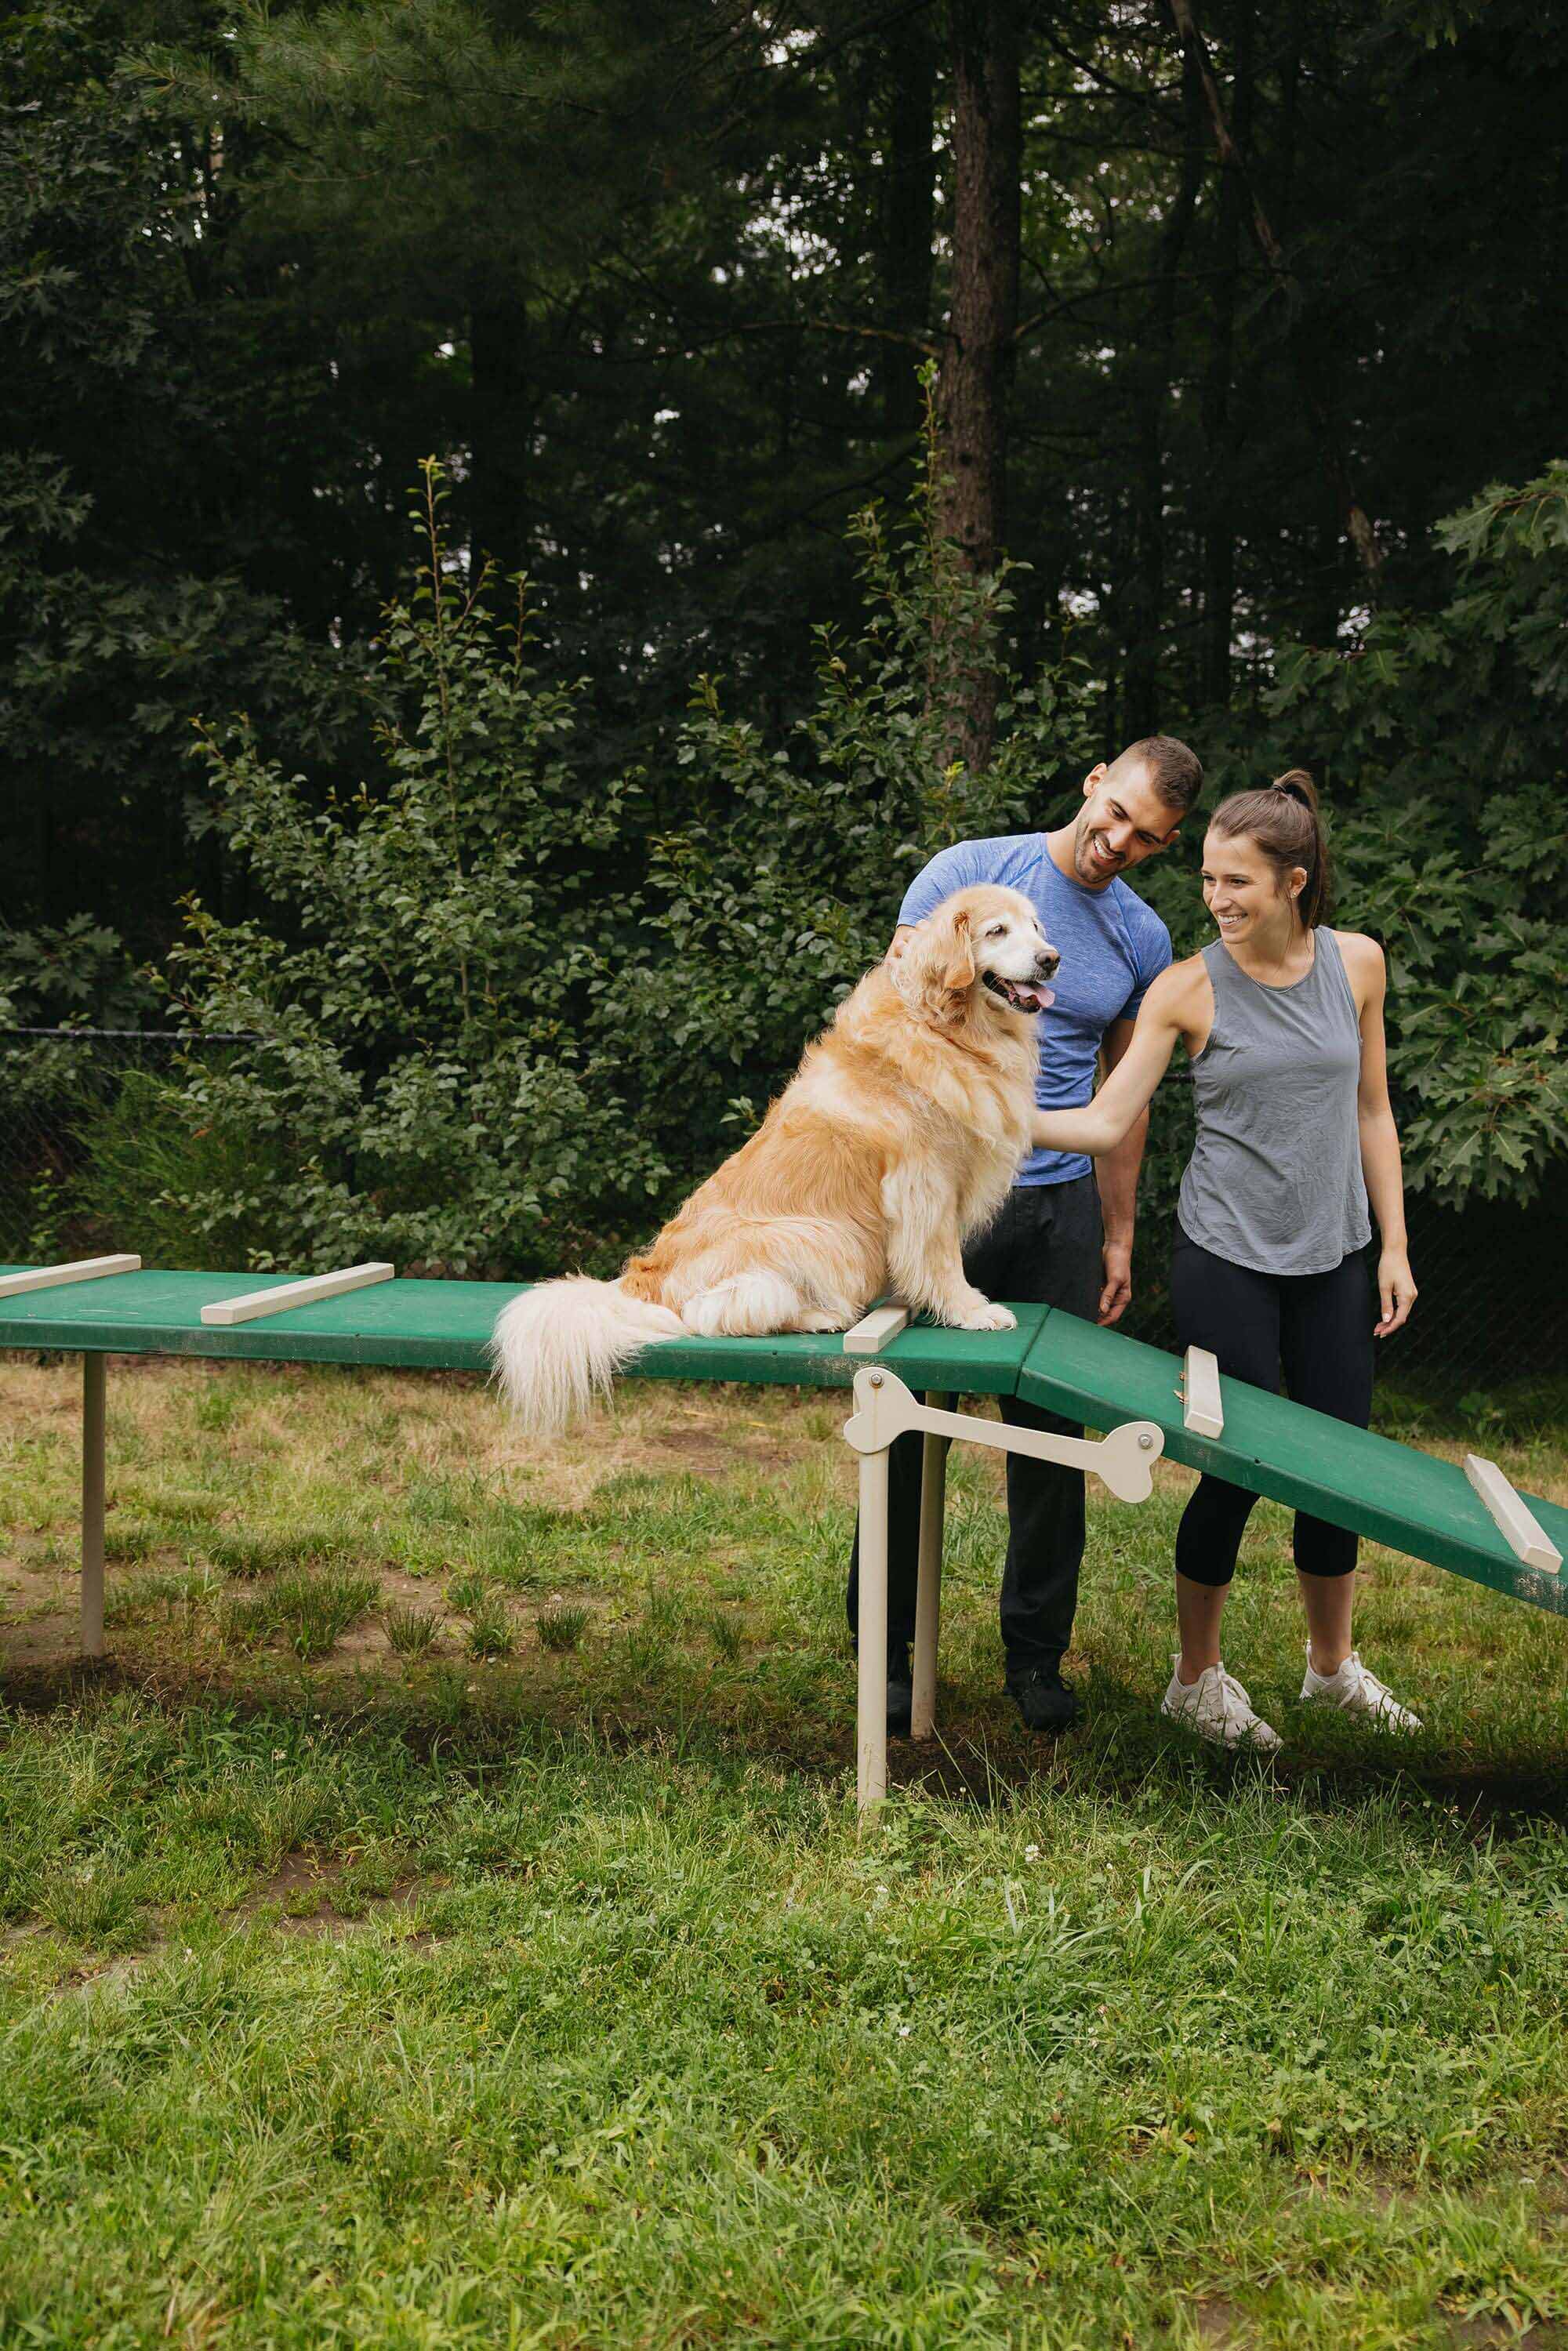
{"x": 1041, "y": 997}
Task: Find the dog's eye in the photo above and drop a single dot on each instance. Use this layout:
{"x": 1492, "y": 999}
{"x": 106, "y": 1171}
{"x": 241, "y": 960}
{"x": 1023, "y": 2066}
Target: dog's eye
{"x": 997, "y": 931}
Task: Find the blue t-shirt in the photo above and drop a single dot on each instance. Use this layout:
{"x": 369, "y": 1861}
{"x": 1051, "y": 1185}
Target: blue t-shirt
{"x": 1112, "y": 947}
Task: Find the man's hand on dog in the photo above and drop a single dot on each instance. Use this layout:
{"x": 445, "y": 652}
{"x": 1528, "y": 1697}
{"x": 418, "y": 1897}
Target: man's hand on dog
{"x": 1117, "y": 1295}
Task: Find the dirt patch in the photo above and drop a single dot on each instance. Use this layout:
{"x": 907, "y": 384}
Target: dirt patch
{"x": 106, "y": 1977}
{"x": 699, "y": 1449}
{"x": 297, "y": 1899}
{"x": 658, "y": 1429}
{"x": 1218, "y": 2322}
{"x": 1482, "y": 2333}
{"x": 300, "y": 1890}
{"x": 24, "y": 1589}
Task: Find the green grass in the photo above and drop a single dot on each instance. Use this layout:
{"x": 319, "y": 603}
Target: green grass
{"x": 561, "y": 1626}
{"x": 389, "y": 1998}
{"x": 413, "y": 1632}
{"x": 311, "y": 1611}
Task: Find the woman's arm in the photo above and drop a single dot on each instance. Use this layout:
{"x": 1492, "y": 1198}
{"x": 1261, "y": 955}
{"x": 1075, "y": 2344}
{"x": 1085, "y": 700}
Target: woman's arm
{"x": 1102, "y": 1123}
{"x": 1116, "y": 1179}
{"x": 1380, "y": 1163}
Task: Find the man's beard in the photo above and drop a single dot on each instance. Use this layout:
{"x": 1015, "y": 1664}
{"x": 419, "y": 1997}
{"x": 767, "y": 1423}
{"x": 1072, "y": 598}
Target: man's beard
{"x": 1084, "y": 855}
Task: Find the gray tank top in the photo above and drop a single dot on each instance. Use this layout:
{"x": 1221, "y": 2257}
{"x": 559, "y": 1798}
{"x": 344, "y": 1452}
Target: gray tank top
{"x": 1274, "y": 1181}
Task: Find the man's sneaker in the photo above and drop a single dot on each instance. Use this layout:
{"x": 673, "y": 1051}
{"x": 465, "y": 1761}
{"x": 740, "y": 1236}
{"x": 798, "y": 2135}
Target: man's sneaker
{"x": 899, "y": 1694}
{"x": 1046, "y": 1702}
{"x": 1358, "y": 1690}
{"x": 1218, "y": 1707}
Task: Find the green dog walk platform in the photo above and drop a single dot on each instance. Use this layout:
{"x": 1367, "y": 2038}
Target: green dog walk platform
{"x": 1467, "y": 1519}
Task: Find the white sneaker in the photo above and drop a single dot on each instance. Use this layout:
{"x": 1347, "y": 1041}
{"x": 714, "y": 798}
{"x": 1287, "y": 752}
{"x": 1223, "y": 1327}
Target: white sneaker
{"x": 1218, "y": 1707}
{"x": 1359, "y": 1691}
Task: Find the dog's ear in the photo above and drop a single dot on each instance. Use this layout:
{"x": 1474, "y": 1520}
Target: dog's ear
{"x": 933, "y": 968}
{"x": 959, "y": 975}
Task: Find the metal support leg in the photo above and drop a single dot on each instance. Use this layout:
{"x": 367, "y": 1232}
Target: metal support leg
{"x": 1124, "y": 1459}
{"x": 93, "y": 1369}
{"x": 928, "y": 1594}
{"x": 870, "y": 1708}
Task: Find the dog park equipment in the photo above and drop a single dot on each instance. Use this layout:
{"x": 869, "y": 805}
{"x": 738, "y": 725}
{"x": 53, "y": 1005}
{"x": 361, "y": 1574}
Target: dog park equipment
{"x": 52, "y": 1277}
{"x": 285, "y": 1296}
{"x": 1469, "y": 1521}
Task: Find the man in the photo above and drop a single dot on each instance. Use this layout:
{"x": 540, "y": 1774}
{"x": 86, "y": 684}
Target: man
{"x": 1060, "y": 1239}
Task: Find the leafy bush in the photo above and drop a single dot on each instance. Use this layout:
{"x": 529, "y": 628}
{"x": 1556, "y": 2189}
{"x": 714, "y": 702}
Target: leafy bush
{"x": 164, "y": 1178}
{"x": 505, "y": 1018}
{"x": 73, "y": 971}
{"x": 783, "y": 880}
{"x": 439, "y": 1070}
{"x": 1442, "y": 739}
{"x": 506, "y": 1015}
{"x": 61, "y": 977}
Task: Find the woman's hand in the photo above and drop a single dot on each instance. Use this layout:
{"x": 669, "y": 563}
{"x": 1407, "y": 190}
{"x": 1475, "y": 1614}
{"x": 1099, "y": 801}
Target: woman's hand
{"x": 1396, "y": 1289}
{"x": 1116, "y": 1294}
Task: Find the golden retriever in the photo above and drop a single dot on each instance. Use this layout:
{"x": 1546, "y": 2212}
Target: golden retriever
{"x": 897, "y": 1137}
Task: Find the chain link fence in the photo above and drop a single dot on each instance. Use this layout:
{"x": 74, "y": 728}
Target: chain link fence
{"x": 1493, "y": 1310}
{"x": 59, "y": 1086}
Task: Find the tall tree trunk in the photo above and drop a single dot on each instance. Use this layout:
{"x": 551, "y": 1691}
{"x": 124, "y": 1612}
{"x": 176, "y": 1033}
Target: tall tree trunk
{"x": 1145, "y": 605}
{"x": 1317, "y": 616}
{"x": 1357, "y": 522}
{"x": 979, "y": 348}
{"x": 908, "y": 219}
{"x": 500, "y": 421}
{"x": 1218, "y": 424}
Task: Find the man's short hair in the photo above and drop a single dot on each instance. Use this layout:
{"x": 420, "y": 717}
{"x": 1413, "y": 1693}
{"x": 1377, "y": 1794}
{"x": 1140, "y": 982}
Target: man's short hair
{"x": 1175, "y": 771}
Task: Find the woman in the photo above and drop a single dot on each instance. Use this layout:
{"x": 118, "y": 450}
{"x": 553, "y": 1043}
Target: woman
{"x": 1283, "y": 1020}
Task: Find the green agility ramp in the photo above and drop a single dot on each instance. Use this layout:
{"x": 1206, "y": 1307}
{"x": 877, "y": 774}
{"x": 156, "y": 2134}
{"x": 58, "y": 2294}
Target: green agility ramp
{"x": 1470, "y": 1523}
{"x": 1393, "y": 1493}
{"x": 446, "y": 1326}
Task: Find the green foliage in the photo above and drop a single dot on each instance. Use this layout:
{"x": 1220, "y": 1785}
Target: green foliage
{"x": 73, "y": 971}
{"x": 508, "y": 1013}
{"x": 1443, "y": 742}
{"x": 1472, "y": 917}
{"x": 310, "y": 1610}
{"x": 484, "y": 1042}
{"x": 783, "y": 883}
{"x": 1441, "y": 745}
{"x": 171, "y": 1181}
{"x": 411, "y": 1632}
{"x": 507, "y": 1009}
{"x": 439, "y": 1064}
{"x": 561, "y": 1625}
{"x": 137, "y": 386}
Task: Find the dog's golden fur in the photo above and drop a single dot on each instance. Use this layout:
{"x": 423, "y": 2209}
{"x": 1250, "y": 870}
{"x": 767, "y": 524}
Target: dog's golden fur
{"x": 897, "y": 1138}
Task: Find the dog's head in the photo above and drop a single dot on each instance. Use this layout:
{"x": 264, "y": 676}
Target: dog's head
{"x": 980, "y": 950}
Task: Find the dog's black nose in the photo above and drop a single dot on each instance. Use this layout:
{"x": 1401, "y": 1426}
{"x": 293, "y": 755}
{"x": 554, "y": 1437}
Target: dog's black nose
{"x": 1047, "y": 962}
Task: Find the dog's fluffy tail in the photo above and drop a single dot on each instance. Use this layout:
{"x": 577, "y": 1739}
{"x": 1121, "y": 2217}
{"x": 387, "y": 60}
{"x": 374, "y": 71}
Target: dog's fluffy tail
{"x": 558, "y": 1345}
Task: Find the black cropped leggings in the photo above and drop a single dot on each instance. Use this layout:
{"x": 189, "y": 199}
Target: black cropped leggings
{"x": 1319, "y": 1326}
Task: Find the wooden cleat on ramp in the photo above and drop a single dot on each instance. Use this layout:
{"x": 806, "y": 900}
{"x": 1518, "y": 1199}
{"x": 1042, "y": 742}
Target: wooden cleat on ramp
{"x": 1517, "y": 1524}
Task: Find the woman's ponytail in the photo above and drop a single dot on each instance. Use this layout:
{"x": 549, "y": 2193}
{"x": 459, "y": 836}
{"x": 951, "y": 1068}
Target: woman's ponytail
{"x": 1284, "y": 821}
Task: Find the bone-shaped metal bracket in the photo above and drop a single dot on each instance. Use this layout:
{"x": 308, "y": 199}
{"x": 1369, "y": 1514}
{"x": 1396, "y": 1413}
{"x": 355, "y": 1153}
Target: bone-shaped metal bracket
{"x": 1124, "y": 1460}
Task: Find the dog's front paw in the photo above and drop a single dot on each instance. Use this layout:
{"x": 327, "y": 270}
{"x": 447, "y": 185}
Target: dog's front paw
{"x": 989, "y": 1317}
